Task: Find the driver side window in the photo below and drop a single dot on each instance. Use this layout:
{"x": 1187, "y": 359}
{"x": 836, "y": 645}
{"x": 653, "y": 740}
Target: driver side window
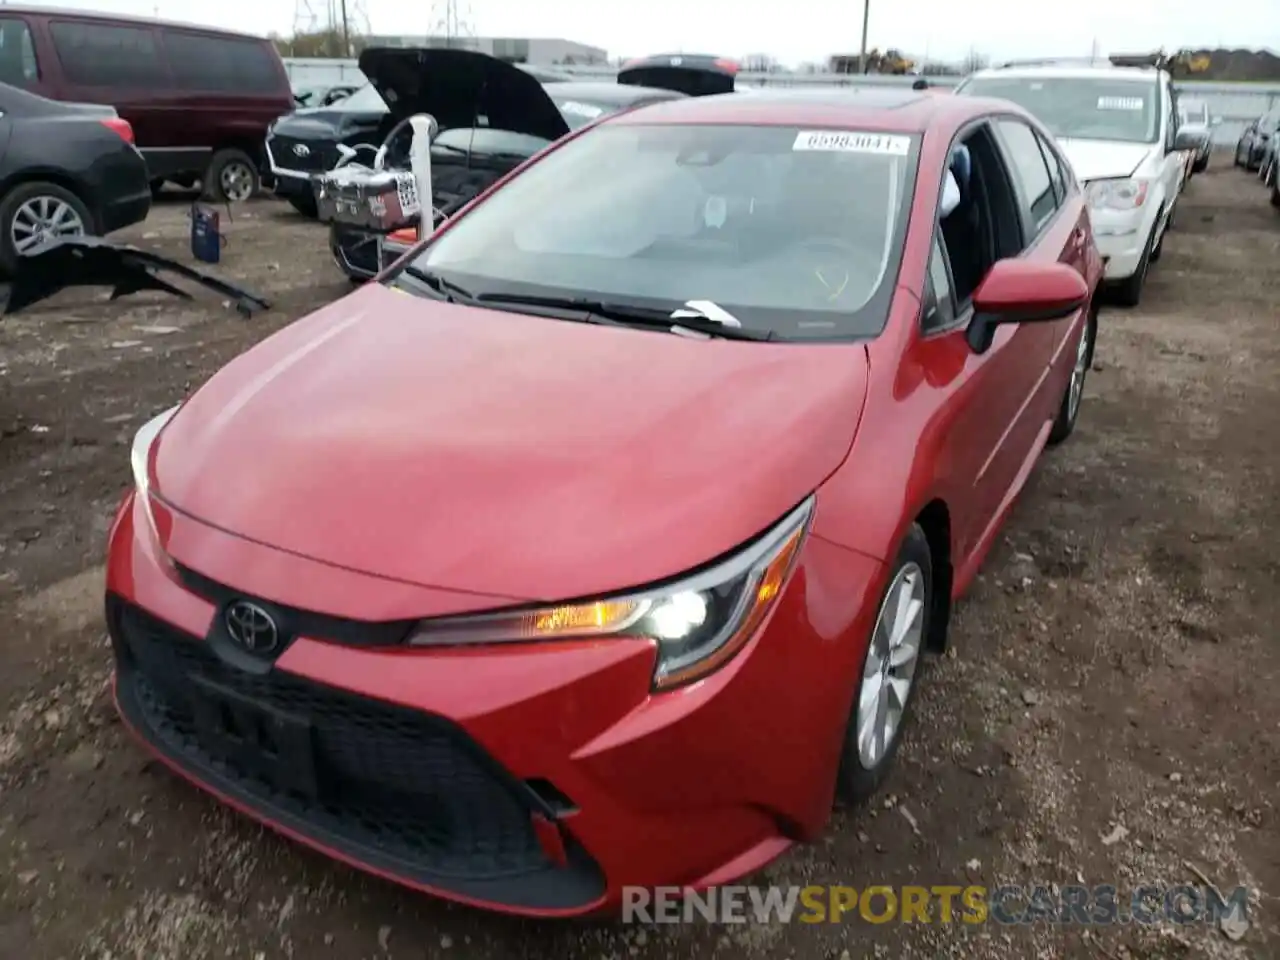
{"x": 986, "y": 225}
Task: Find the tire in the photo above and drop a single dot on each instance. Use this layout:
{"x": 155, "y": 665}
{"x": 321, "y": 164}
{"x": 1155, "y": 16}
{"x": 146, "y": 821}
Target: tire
{"x": 232, "y": 177}
{"x": 25, "y": 201}
{"x": 157, "y": 188}
{"x": 862, "y": 773}
{"x": 362, "y": 251}
{"x": 1200, "y": 166}
{"x": 1275, "y": 193}
{"x": 305, "y": 205}
{"x": 1128, "y": 292}
{"x": 1069, "y": 409}
{"x": 1235, "y": 160}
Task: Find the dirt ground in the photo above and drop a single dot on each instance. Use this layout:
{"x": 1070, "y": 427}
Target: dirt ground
{"x": 1109, "y": 713}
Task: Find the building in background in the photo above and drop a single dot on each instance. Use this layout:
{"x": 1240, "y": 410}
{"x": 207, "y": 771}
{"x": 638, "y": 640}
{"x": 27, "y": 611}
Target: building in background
{"x": 535, "y": 50}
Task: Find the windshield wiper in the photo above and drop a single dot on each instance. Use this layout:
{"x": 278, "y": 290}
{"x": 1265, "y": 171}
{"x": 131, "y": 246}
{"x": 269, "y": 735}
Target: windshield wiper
{"x": 626, "y": 314}
{"x": 446, "y": 288}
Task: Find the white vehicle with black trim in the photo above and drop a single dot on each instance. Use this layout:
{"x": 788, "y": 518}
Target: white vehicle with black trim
{"x": 1118, "y": 127}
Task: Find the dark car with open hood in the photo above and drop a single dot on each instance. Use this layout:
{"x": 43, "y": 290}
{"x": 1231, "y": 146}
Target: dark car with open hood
{"x": 492, "y": 115}
{"x": 314, "y": 139}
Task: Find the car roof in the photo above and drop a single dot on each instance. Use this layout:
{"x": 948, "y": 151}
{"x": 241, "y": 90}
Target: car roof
{"x": 1065, "y": 72}
{"x": 614, "y": 94}
{"x": 880, "y": 108}
{"x": 69, "y": 13}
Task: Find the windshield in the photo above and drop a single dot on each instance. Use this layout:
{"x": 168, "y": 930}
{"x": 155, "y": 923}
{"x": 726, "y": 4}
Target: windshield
{"x": 1086, "y": 108}
{"x": 1193, "y": 111}
{"x": 366, "y": 98}
{"x": 795, "y": 233}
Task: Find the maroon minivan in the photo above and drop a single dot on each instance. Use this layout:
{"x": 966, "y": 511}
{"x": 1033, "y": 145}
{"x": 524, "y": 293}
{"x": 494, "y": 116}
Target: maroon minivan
{"x": 200, "y": 100}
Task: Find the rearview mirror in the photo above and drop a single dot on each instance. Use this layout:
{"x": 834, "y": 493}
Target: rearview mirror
{"x": 1186, "y": 140}
{"x": 1020, "y": 291}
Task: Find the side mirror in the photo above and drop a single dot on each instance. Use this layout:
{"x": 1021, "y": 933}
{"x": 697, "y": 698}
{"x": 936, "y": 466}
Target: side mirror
{"x": 1185, "y": 140}
{"x": 1019, "y": 291}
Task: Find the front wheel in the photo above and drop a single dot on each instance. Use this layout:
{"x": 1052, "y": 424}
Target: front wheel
{"x": 890, "y": 669}
{"x": 1069, "y": 410}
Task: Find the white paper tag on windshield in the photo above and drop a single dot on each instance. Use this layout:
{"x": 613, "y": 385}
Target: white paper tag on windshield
{"x": 1119, "y": 103}
{"x": 852, "y": 141}
{"x": 581, "y": 109}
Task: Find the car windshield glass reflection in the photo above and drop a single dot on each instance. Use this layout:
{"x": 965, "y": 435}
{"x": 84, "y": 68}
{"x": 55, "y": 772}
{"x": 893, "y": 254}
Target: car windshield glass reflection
{"x": 1087, "y": 109}
{"x": 366, "y": 98}
{"x": 789, "y": 231}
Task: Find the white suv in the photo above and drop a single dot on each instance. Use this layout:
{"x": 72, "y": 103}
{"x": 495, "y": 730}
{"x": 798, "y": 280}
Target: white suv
{"x": 1118, "y": 127}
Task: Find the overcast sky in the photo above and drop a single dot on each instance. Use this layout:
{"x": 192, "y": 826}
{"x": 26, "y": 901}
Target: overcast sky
{"x": 791, "y": 30}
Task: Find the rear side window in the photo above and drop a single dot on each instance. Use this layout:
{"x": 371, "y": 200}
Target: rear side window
{"x": 98, "y": 55}
{"x": 1031, "y": 170}
{"x": 18, "y": 66}
{"x": 220, "y": 64}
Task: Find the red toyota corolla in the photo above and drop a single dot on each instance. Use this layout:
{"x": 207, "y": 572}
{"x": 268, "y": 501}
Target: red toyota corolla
{"x": 599, "y": 543}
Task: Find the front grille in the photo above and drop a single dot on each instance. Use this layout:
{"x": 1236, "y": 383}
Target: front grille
{"x": 321, "y": 156}
{"x": 402, "y": 791}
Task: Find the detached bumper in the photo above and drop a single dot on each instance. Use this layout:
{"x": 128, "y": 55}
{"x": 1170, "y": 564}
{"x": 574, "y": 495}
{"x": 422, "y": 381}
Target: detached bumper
{"x": 535, "y": 779}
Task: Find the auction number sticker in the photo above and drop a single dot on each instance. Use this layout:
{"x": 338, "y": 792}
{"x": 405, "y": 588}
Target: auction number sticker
{"x": 852, "y": 141}
{"x": 581, "y": 109}
{"x": 1119, "y": 103}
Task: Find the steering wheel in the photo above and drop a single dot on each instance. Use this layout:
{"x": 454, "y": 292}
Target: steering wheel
{"x": 831, "y": 261}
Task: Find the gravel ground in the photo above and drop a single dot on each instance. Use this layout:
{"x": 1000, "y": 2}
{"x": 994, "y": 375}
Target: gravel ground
{"x": 1108, "y": 714}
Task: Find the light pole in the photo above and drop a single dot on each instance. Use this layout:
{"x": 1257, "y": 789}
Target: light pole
{"x": 866, "y": 18}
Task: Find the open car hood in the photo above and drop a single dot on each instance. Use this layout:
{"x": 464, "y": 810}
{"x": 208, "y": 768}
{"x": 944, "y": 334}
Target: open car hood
{"x": 457, "y": 86}
{"x": 692, "y": 75}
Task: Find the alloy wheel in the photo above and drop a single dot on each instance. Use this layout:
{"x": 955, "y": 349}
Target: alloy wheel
{"x": 236, "y": 181}
{"x": 41, "y": 219}
{"x": 1078, "y": 373}
{"x": 891, "y": 664}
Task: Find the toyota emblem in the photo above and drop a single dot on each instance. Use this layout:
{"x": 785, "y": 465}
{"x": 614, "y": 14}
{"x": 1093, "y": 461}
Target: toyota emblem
{"x": 251, "y": 627}
{"x": 302, "y": 150}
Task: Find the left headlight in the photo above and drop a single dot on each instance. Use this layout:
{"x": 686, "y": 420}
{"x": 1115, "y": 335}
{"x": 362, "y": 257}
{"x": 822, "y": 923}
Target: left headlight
{"x": 140, "y": 456}
{"x": 1119, "y": 194}
{"x": 697, "y": 622}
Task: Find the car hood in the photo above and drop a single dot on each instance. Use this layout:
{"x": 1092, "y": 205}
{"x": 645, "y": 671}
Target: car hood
{"x": 502, "y": 454}
{"x": 326, "y": 123}
{"x": 458, "y": 86}
{"x": 1103, "y": 159}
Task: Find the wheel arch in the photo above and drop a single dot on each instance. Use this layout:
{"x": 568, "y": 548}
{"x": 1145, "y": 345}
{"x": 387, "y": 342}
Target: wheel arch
{"x": 935, "y": 521}
{"x": 58, "y": 178}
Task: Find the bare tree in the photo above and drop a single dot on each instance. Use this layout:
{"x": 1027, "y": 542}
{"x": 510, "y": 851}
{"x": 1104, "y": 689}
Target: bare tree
{"x": 759, "y": 63}
{"x": 974, "y": 62}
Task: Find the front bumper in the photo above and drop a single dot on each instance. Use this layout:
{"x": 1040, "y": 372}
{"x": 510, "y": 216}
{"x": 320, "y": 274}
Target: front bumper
{"x": 1121, "y": 240}
{"x": 534, "y": 779}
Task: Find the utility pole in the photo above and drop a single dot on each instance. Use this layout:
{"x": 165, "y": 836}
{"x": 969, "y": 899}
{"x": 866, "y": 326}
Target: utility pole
{"x": 346, "y": 31}
{"x": 866, "y": 19}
